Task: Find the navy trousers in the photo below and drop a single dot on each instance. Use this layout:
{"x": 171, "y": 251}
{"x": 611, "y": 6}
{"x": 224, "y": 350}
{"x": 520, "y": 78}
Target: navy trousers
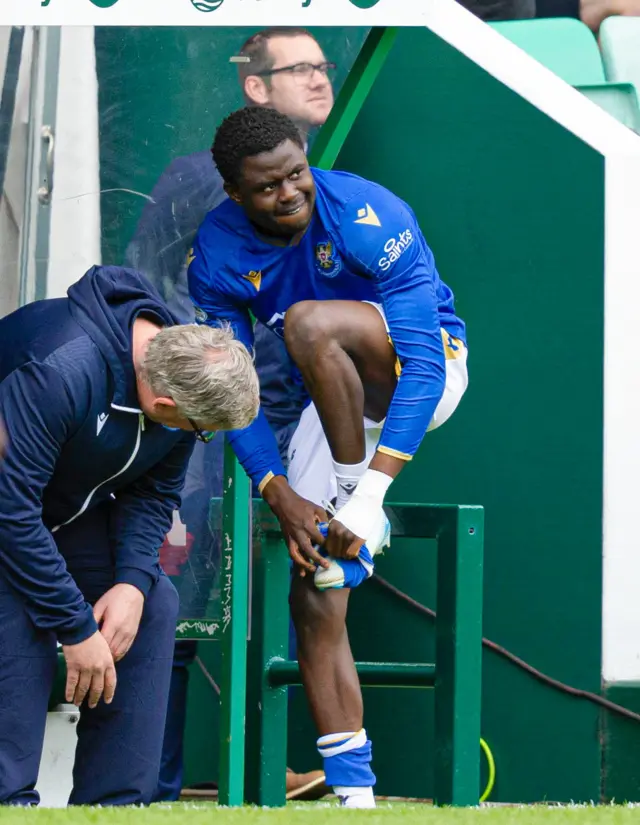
{"x": 119, "y": 745}
{"x": 172, "y": 762}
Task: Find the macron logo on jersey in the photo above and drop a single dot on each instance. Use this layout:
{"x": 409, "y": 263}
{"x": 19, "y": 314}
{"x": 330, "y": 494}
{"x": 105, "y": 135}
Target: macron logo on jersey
{"x": 254, "y": 278}
{"x": 102, "y": 420}
{"x": 395, "y": 247}
{"x": 368, "y": 217}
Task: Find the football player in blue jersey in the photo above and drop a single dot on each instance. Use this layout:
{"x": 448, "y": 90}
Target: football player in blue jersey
{"x": 283, "y": 68}
{"x": 338, "y": 267}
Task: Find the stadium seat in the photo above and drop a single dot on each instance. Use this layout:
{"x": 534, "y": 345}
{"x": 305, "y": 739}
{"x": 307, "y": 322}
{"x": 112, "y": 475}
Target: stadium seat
{"x": 620, "y": 45}
{"x": 569, "y": 49}
{"x": 565, "y": 46}
{"x": 618, "y": 99}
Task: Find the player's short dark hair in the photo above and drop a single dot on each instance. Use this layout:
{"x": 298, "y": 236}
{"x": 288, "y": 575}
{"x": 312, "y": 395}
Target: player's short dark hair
{"x": 256, "y": 49}
{"x": 248, "y": 132}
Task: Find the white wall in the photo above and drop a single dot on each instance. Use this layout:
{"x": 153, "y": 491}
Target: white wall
{"x": 74, "y": 244}
{"x": 621, "y": 539}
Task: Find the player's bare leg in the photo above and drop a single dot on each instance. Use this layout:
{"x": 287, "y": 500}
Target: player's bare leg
{"x": 348, "y": 366}
{"x": 326, "y": 663}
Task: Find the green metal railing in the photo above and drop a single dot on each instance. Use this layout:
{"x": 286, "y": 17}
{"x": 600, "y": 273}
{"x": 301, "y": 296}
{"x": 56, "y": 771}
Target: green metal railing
{"x": 234, "y": 618}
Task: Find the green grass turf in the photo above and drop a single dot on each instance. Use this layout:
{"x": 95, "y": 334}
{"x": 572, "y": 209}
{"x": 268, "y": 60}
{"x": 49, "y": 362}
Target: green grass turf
{"x": 327, "y": 813}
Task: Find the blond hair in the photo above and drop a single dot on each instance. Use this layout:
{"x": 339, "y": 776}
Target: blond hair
{"x": 207, "y": 371}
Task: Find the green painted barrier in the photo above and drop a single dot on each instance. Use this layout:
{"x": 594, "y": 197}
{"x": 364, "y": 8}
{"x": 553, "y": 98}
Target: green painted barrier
{"x": 234, "y": 618}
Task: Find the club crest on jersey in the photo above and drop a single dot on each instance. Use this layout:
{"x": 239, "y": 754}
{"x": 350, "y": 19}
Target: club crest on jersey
{"x": 327, "y": 261}
{"x": 201, "y": 315}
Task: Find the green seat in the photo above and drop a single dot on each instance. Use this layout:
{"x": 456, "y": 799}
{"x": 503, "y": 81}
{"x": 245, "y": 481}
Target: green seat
{"x": 620, "y": 45}
{"x": 567, "y": 47}
{"x": 618, "y": 99}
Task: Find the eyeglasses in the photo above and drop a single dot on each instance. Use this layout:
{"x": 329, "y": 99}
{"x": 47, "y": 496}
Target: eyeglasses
{"x": 202, "y": 435}
{"x": 301, "y": 71}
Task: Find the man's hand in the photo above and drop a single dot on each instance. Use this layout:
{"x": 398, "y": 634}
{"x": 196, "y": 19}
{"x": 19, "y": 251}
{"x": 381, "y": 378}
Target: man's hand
{"x": 593, "y": 12}
{"x": 90, "y": 669}
{"x": 299, "y": 521}
{"x": 118, "y": 614}
{"x": 341, "y": 543}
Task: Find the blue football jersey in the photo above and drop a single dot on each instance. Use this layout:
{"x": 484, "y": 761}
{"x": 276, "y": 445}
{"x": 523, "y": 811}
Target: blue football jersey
{"x": 363, "y": 244}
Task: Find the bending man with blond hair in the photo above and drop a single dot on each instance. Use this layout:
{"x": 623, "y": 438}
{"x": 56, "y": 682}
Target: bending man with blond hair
{"x": 102, "y": 396}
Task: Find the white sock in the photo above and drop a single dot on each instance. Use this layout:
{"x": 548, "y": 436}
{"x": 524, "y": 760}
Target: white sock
{"x": 347, "y": 477}
{"x": 356, "y": 797}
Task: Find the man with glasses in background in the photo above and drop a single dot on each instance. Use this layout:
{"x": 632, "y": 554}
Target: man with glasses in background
{"x": 284, "y": 69}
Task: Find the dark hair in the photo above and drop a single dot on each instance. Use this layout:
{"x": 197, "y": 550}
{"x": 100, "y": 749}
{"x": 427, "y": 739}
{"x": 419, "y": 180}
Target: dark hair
{"x": 256, "y": 48}
{"x": 248, "y": 132}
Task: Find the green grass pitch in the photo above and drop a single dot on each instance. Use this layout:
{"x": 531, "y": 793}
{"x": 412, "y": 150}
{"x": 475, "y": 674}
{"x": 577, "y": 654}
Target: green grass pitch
{"x": 326, "y": 813}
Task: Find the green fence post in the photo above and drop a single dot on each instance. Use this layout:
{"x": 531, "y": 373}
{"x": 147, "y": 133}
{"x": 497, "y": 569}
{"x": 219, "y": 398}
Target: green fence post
{"x": 267, "y": 706}
{"x": 459, "y": 657}
{"x": 234, "y": 607}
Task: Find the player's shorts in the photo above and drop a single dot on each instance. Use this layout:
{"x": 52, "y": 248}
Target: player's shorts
{"x": 310, "y": 470}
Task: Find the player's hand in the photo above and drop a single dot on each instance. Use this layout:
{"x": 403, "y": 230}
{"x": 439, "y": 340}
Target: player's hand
{"x": 118, "y": 614}
{"x": 352, "y": 525}
{"x": 299, "y": 521}
{"x": 90, "y": 670}
{"x": 341, "y": 543}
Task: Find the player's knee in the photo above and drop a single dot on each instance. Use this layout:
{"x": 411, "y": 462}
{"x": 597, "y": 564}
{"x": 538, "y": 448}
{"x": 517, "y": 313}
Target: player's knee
{"x": 317, "y": 613}
{"x": 307, "y": 325}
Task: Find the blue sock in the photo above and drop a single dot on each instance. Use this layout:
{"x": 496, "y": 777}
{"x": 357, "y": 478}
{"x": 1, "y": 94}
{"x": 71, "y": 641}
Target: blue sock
{"x": 347, "y": 759}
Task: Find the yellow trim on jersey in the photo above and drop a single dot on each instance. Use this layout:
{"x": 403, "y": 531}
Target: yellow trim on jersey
{"x": 453, "y": 349}
{"x": 394, "y": 453}
{"x": 398, "y": 365}
{"x": 265, "y": 481}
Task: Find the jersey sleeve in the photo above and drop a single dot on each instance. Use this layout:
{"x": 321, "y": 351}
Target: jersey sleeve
{"x": 39, "y": 414}
{"x": 255, "y": 445}
{"x": 213, "y": 305}
{"x": 382, "y": 237}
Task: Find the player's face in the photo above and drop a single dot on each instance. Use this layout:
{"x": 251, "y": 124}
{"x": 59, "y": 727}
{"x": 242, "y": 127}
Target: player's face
{"x": 277, "y": 191}
{"x": 301, "y": 92}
